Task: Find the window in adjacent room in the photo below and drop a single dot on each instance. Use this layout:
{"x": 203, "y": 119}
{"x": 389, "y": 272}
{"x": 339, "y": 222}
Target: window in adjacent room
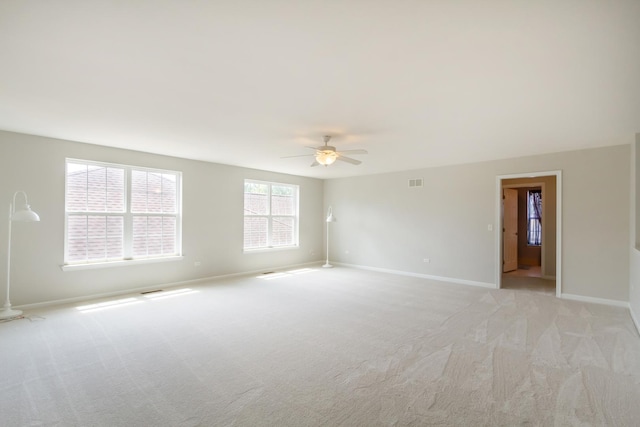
{"x": 534, "y": 217}
{"x": 270, "y": 215}
{"x": 117, "y": 212}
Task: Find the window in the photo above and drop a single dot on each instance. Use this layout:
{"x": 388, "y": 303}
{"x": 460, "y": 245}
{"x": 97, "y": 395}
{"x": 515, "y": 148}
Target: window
{"x": 534, "y": 217}
{"x": 270, "y": 215}
{"x": 116, "y": 212}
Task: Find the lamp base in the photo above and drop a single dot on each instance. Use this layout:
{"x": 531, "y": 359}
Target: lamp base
{"x": 327, "y": 265}
{"x": 8, "y": 313}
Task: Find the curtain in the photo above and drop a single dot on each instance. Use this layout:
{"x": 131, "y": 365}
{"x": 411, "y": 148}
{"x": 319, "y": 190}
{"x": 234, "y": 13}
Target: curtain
{"x": 534, "y": 209}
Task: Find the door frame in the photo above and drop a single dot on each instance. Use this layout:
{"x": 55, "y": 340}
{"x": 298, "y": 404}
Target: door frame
{"x": 542, "y": 186}
{"x": 499, "y": 223}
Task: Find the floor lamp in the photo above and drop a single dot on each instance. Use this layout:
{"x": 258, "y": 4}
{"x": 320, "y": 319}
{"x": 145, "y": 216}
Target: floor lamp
{"x": 23, "y": 214}
{"x": 330, "y": 218}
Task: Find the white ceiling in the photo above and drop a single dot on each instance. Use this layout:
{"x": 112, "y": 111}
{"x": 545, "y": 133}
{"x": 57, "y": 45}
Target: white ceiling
{"x": 417, "y": 83}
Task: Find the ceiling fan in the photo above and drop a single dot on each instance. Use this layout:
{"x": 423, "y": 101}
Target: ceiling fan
{"x": 326, "y": 154}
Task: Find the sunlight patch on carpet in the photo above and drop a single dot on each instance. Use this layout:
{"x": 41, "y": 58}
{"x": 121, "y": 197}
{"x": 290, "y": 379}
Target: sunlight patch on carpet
{"x": 169, "y": 294}
{"x": 122, "y": 302}
{"x": 107, "y": 305}
{"x": 273, "y": 275}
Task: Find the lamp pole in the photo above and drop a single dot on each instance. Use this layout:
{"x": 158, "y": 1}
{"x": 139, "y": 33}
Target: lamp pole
{"x": 7, "y": 312}
{"x": 24, "y": 214}
{"x": 327, "y": 265}
{"x": 330, "y": 219}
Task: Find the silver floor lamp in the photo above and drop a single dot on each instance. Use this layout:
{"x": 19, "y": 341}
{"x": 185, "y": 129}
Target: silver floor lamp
{"x": 23, "y": 214}
{"x": 330, "y": 219}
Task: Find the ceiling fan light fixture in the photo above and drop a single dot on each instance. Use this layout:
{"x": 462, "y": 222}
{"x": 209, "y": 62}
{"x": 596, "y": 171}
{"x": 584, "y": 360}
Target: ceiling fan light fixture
{"x": 326, "y": 157}
{"x": 327, "y": 154}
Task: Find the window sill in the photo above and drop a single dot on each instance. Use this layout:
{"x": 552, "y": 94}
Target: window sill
{"x": 108, "y": 264}
{"x": 276, "y": 249}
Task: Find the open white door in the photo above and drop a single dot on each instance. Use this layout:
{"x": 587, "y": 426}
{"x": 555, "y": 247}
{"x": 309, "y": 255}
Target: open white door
{"x": 510, "y": 230}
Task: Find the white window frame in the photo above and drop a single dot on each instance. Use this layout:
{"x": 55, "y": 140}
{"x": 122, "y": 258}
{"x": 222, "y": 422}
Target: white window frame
{"x": 127, "y": 215}
{"x": 295, "y": 216}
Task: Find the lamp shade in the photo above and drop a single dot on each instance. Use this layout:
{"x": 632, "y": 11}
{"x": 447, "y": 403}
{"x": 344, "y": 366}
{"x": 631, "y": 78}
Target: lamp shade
{"x": 25, "y": 214}
{"x": 330, "y": 217}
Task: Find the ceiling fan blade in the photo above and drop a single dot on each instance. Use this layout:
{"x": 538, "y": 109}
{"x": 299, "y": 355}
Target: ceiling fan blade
{"x": 353, "y": 152}
{"x": 349, "y": 160}
{"x": 328, "y": 153}
{"x": 300, "y": 155}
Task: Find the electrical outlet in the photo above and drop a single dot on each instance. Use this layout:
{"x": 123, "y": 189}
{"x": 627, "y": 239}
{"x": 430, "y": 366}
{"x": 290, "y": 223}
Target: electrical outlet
{"x": 427, "y": 260}
{"x": 197, "y": 264}
{"x": 490, "y": 227}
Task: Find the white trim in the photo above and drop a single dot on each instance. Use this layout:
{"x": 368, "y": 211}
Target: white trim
{"x": 270, "y": 215}
{"x": 192, "y": 282}
{"x": 612, "y": 302}
{"x": 420, "y": 275}
{"x": 127, "y": 214}
{"x": 271, "y": 249}
{"x": 498, "y": 222}
{"x": 119, "y": 263}
{"x": 635, "y": 319}
{"x": 122, "y": 165}
{"x": 109, "y": 294}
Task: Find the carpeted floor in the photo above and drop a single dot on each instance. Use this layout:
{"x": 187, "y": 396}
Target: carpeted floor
{"x": 322, "y": 347}
{"x": 532, "y": 284}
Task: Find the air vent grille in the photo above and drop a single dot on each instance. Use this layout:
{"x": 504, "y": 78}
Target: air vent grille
{"x": 416, "y": 182}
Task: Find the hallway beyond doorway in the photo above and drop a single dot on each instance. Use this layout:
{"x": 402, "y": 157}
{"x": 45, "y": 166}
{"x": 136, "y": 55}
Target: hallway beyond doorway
{"x": 526, "y": 271}
{"x": 528, "y": 279}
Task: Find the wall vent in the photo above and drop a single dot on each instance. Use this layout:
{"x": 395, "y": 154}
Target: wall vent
{"x": 415, "y": 182}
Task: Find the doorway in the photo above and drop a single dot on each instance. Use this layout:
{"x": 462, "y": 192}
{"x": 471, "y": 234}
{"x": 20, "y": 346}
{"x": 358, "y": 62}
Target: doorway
{"x": 525, "y": 259}
{"x": 522, "y": 242}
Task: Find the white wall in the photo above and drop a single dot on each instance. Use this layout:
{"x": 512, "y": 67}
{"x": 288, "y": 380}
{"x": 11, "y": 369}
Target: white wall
{"x": 212, "y": 221}
{"x": 381, "y": 222}
{"x": 384, "y": 224}
{"x": 634, "y": 245}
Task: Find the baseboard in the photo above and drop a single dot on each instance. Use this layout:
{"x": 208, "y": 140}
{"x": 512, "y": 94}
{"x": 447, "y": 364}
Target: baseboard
{"x": 635, "y": 319}
{"x": 422, "y": 276}
{"x": 193, "y": 282}
{"x": 108, "y": 294}
{"x": 612, "y": 302}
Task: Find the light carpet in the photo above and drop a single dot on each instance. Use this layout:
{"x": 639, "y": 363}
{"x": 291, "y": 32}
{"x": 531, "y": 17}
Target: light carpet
{"x": 320, "y": 347}
{"x": 533, "y": 284}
